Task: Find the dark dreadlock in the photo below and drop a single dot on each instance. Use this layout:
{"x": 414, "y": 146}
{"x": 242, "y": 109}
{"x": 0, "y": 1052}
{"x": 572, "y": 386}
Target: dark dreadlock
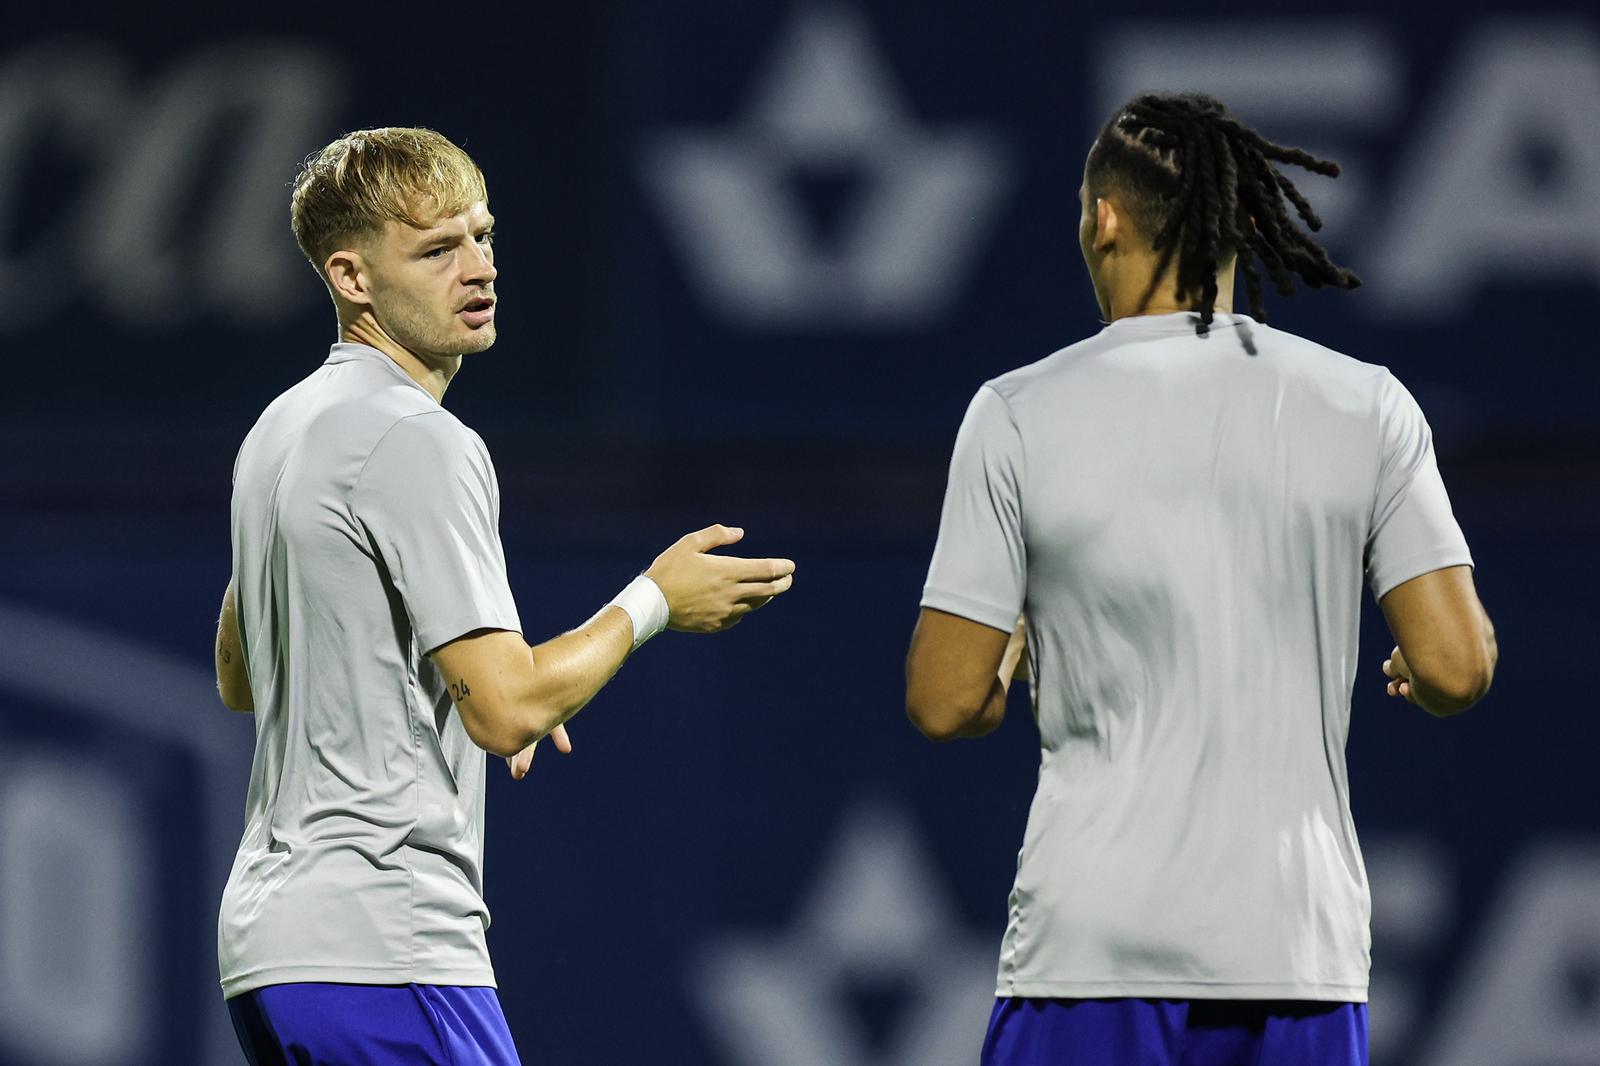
{"x": 1207, "y": 186}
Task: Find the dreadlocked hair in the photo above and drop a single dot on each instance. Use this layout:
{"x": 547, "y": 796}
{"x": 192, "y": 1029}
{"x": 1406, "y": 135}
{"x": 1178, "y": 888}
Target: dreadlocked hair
{"x": 1208, "y": 187}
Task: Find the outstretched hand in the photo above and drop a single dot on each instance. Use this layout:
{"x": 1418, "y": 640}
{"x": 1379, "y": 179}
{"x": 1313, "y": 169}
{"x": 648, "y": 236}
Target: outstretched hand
{"x": 522, "y": 761}
{"x": 709, "y": 593}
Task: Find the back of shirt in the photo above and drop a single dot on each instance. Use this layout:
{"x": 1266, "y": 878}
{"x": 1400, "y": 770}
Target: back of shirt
{"x": 365, "y": 534}
{"x": 1185, "y": 521}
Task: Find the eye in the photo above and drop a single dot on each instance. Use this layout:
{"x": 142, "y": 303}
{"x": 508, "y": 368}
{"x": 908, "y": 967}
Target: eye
{"x": 486, "y": 237}
{"x": 434, "y": 253}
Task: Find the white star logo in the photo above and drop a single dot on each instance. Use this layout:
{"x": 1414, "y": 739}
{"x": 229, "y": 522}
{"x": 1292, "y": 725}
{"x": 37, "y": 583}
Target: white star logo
{"x": 874, "y": 914}
{"x": 828, "y": 101}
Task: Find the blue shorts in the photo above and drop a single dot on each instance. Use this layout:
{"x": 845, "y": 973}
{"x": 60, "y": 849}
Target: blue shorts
{"x": 1168, "y": 1032}
{"x": 372, "y": 1025}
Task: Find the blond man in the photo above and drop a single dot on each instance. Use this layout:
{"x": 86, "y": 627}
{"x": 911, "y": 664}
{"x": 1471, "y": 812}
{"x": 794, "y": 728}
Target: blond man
{"x": 370, "y": 627}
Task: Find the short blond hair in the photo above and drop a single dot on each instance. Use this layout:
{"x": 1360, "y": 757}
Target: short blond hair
{"x": 349, "y": 189}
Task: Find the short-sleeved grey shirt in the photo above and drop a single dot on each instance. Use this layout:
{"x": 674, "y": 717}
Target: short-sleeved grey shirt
{"x": 1186, "y": 521}
{"x": 365, "y": 534}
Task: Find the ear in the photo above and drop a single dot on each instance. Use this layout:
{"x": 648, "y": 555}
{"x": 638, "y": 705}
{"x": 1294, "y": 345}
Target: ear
{"x": 1108, "y": 224}
{"x": 348, "y": 276}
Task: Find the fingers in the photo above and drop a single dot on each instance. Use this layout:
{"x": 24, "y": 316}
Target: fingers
{"x": 761, "y": 569}
{"x": 521, "y": 762}
{"x": 764, "y": 590}
{"x": 703, "y": 540}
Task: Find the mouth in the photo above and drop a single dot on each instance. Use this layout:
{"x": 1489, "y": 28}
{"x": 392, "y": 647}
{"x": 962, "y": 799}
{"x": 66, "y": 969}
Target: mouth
{"x": 478, "y": 311}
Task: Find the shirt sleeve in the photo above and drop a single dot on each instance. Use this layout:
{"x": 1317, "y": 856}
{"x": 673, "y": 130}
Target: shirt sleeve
{"x": 1413, "y": 530}
{"x": 430, "y": 506}
{"x": 979, "y": 568}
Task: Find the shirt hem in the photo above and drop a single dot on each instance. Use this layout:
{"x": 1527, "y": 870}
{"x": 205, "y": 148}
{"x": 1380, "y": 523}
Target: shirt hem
{"x": 474, "y": 977}
{"x": 1414, "y": 566}
{"x": 973, "y": 610}
{"x": 438, "y": 635}
{"x": 1322, "y": 992}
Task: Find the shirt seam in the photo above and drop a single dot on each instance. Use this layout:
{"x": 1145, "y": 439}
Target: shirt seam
{"x": 1377, "y": 463}
{"x": 1140, "y": 982}
{"x": 1022, "y": 480}
{"x": 416, "y": 788}
{"x": 355, "y": 486}
{"x": 462, "y": 976}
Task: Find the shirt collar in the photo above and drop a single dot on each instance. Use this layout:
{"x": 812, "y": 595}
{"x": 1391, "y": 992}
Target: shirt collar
{"x": 350, "y": 351}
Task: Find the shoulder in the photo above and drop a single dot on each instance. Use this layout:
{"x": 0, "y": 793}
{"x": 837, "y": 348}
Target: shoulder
{"x": 426, "y": 444}
{"x": 1311, "y": 359}
{"x": 429, "y": 426}
{"x": 1018, "y": 391}
{"x": 1060, "y": 363}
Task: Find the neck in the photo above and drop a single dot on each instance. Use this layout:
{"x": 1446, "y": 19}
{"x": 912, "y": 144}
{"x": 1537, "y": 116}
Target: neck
{"x": 432, "y": 372}
{"x": 1127, "y": 300}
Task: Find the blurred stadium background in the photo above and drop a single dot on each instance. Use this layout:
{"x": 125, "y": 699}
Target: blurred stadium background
{"x": 755, "y": 259}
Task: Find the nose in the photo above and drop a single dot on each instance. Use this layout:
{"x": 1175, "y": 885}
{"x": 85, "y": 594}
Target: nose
{"x": 477, "y": 266}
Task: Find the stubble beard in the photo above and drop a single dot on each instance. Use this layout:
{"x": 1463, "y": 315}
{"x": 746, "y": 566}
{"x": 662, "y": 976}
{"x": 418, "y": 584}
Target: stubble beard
{"x": 419, "y": 331}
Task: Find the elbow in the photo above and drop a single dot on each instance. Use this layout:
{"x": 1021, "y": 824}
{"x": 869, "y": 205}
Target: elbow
{"x": 508, "y": 730}
{"x": 939, "y": 723}
{"x": 236, "y": 697}
{"x": 1456, "y": 693}
{"x": 1458, "y": 686}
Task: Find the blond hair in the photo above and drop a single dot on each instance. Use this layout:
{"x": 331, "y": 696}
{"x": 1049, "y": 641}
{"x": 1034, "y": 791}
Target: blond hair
{"x": 349, "y": 189}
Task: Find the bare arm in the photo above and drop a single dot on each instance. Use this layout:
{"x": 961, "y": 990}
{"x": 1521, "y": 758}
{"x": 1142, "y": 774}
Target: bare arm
{"x": 509, "y": 695}
{"x": 233, "y": 685}
{"x": 958, "y": 672}
{"x": 1445, "y": 653}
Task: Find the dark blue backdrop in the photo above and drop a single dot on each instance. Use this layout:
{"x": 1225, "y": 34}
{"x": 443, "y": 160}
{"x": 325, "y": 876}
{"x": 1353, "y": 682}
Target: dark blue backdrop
{"x": 755, "y": 259}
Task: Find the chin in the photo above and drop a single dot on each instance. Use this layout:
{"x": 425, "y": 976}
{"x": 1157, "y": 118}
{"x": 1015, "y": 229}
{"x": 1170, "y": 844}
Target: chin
{"x": 479, "y": 340}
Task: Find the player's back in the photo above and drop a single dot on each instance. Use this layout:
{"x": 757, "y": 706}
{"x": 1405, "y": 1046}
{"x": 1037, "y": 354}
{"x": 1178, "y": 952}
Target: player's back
{"x": 366, "y": 796}
{"x": 1194, "y": 516}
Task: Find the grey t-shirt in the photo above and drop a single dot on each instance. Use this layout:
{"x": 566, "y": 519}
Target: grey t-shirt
{"x": 1186, "y": 522}
{"x": 365, "y": 534}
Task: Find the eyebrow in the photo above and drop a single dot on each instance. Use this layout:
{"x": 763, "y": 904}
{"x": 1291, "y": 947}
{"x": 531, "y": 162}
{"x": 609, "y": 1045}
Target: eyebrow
{"x": 451, "y": 238}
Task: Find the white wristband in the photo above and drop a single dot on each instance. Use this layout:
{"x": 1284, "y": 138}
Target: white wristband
{"x": 645, "y": 605}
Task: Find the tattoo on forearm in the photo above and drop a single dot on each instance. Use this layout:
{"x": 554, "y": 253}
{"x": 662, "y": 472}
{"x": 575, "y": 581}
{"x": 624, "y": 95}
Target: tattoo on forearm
{"x": 227, "y": 656}
{"x": 459, "y": 690}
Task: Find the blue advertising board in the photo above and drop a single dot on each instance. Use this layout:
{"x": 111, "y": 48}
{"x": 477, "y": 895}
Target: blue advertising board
{"x": 755, "y": 259}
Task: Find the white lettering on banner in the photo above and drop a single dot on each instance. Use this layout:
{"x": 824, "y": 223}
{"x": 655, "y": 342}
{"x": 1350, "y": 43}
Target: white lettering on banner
{"x": 878, "y": 908}
{"x": 134, "y": 242}
{"x": 1521, "y": 1000}
{"x": 79, "y": 94}
{"x": 1467, "y": 209}
{"x": 876, "y": 912}
{"x": 54, "y": 804}
{"x": 77, "y": 950}
{"x": 828, "y": 100}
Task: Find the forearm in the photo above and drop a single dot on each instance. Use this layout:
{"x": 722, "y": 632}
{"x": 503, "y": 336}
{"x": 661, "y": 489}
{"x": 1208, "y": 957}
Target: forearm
{"x": 569, "y": 670}
{"x": 1444, "y": 684}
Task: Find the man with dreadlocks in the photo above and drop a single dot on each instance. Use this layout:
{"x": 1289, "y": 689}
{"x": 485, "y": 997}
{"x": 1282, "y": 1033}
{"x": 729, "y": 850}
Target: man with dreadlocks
{"x": 1182, "y": 508}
